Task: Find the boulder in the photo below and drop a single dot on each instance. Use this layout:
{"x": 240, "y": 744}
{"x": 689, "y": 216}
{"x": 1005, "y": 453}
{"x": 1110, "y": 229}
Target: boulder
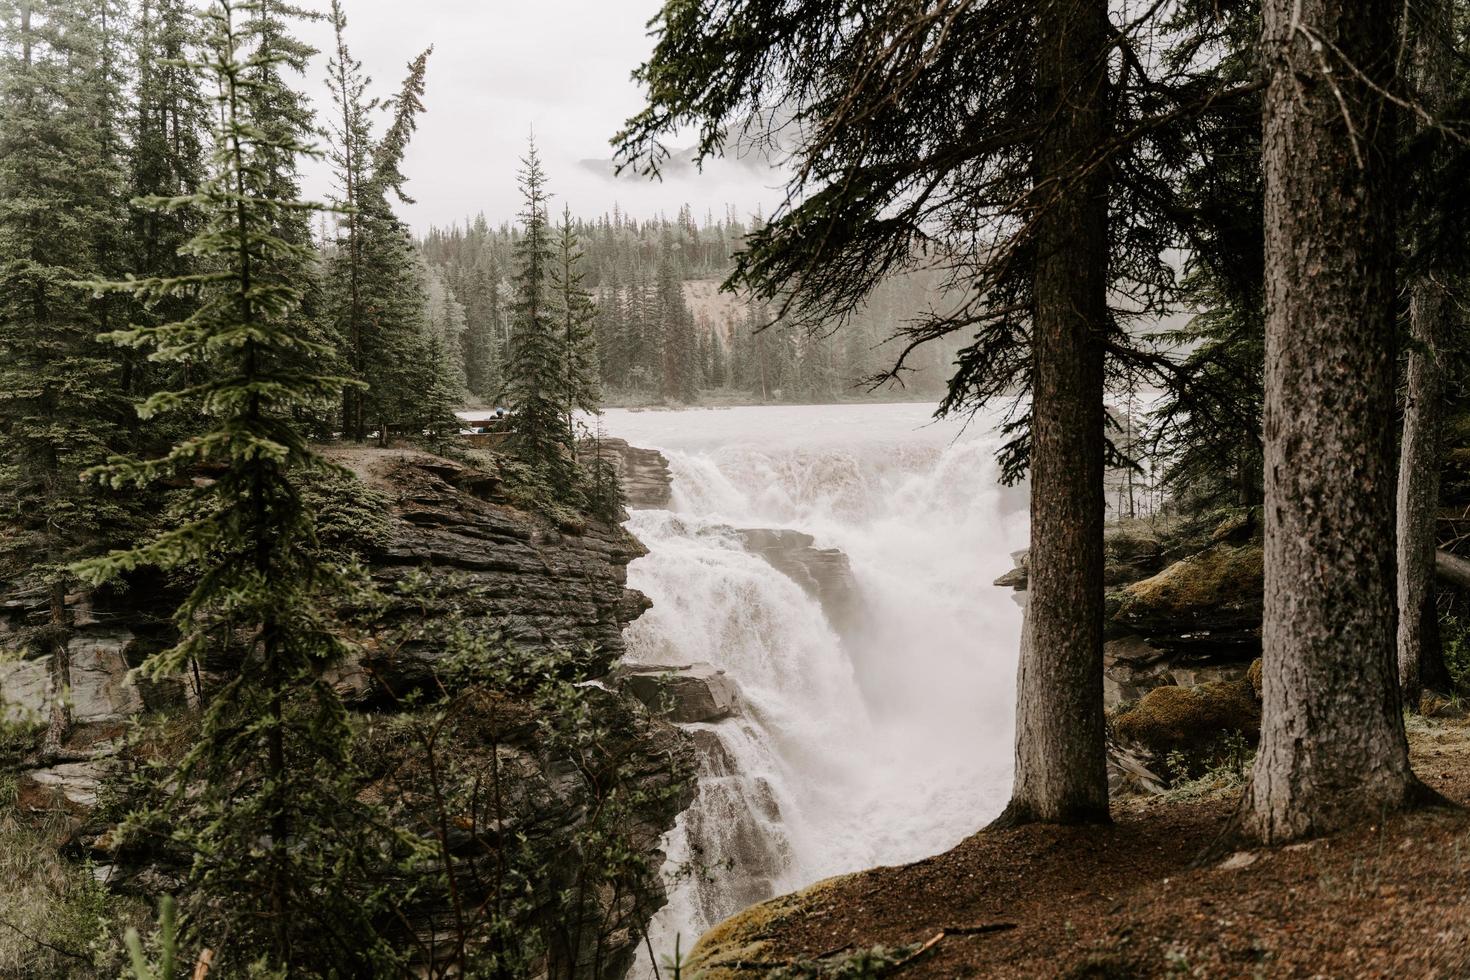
{"x": 1238, "y": 527}
{"x": 1129, "y": 554}
{"x": 1131, "y": 667}
{"x": 25, "y": 691}
{"x": 1016, "y": 579}
{"x": 1196, "y": 674}
{"x": 1212, "y": 599}
{"x": 101, "y": 690}
{"x": 686, "y": 694}
{"x": 1190, "y": 719}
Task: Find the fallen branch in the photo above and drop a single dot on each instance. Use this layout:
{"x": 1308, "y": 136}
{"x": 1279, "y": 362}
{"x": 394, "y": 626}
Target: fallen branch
{"x": 42, "y": 943}
{"x": 946, "y": 932}
{"x": 1452, "y": 568}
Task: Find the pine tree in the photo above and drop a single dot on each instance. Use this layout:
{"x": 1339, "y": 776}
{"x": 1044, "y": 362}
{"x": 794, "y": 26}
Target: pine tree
{"x": 262, "y": 802}
{"x": 61, "y": 392}
{"x": 379, "y": 288}
{"x": 535, "y": 381}
{"x": 350, "y": 135}
{"x": 166, "y": 159}
{"x": 400, "y": 349}
{"x": 578, "y": 339}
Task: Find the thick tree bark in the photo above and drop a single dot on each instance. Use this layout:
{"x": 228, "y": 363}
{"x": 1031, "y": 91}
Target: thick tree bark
{"x": 1420, "y": 658}
{"x": 1333, "y": 749}
{"x": 1061, "y": 752}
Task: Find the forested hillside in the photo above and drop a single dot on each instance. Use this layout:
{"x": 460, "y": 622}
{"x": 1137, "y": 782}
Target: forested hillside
{"x": 667, "y": 332}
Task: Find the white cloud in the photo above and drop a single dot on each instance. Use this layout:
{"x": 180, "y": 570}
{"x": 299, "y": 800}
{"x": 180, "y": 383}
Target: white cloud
{"x": 502, "y": 67}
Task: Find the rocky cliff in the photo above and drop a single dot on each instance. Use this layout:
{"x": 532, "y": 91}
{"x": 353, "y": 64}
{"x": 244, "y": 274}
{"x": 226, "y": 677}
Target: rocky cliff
{"x": 491, "y": 563}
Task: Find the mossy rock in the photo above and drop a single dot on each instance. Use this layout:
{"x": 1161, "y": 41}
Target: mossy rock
{"x": 739, "y": 947}
{"x": 1238, "y": 526}
{"x": 1190, "y": 719}
{"x": 1215, "y": 594}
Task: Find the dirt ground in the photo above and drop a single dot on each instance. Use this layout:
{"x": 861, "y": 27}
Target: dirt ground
{"x": 1391, "y": 899}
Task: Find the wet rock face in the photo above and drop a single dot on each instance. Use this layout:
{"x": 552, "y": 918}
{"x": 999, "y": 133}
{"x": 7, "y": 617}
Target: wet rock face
{"x": 825, "y": 573}
{"x": 687, "y": 694}
{"x": 736, "y": 817}
{"x": 644, "y": 474}
{"x": 542, "y": 586}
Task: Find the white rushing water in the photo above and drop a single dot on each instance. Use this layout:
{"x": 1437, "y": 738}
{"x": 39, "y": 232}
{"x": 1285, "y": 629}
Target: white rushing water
{"x": 878, "y": 740}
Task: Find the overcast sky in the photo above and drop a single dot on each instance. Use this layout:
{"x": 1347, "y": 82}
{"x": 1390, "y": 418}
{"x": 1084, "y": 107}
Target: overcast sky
{"x": 502, "y": 67}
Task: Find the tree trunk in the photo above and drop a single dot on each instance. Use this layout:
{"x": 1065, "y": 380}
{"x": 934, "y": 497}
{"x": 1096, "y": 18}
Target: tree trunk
{"x": 59, "y": 726}
{"x": 1061, "y": 753}
{"x": 1332, "y": 749}
{"x": 1420, "y": 659}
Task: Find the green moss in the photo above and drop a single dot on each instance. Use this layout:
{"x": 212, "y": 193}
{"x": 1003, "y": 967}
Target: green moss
{"x": 1216, "y": 593}
{"x": 737, "y": 948}
{"x": 1190, "y": 719}
{"x": 1218, "y": 576}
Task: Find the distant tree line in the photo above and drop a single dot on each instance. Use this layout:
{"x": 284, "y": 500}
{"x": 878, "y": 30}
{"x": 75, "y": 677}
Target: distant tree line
{"x": 659, "y": 341}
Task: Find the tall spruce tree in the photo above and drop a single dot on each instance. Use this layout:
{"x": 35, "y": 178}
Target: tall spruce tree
{"x": 535, "y": 375}
{"x": 379, "y": 289}
{"x": 350, "y": 136}
{"x": 61, "y": 219}
{"x": 580, "y": 388}
{"x": 261, "y": 803}
{"x": 166, "y": 158}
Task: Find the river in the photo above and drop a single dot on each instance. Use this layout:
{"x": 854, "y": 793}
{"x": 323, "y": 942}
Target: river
{"x": 879, "y": 740}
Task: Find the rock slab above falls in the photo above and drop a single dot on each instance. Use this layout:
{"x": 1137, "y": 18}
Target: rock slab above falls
{"x": 643, "y": 473}
{"x": 687, "y": 694}
{"x": 825, "y": 573}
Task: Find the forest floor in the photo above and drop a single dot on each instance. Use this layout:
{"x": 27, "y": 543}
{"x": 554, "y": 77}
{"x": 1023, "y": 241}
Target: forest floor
{"x": 1391, "y": 899}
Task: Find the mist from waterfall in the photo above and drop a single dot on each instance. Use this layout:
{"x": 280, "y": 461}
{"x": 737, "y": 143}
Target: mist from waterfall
{"x": 875, "y": 741}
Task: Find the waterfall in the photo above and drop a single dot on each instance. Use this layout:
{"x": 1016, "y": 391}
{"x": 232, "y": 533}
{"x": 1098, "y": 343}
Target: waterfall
{"x": 876, "y": 740}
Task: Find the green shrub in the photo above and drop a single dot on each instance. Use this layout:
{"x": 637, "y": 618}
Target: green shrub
{"x": 1455, "y": 635}
{"x": 56, "y": 919}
